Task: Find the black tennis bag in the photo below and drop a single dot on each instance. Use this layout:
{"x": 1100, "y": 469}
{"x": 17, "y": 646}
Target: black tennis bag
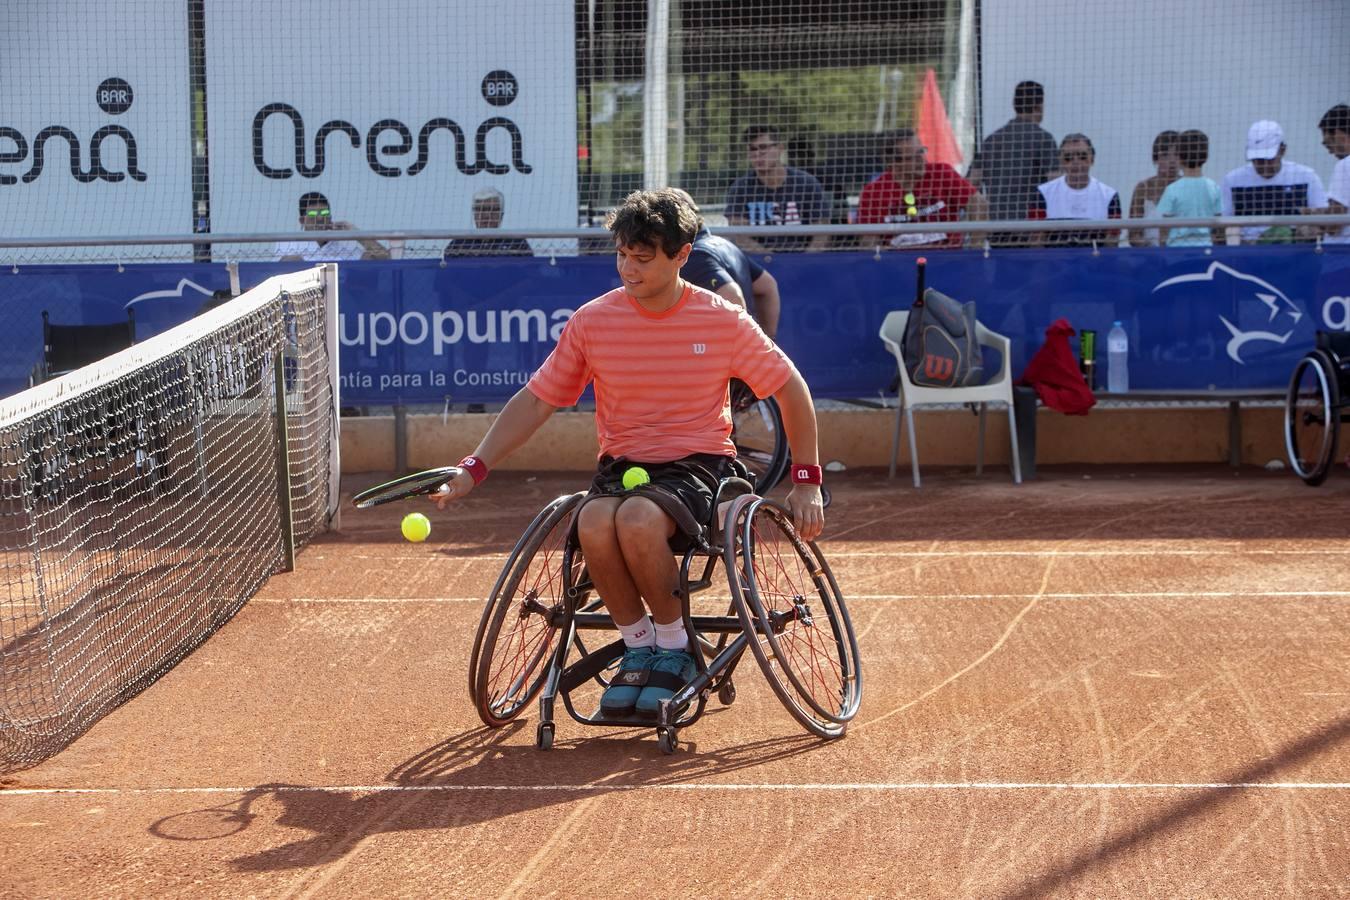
{"x": 939, "y": 346}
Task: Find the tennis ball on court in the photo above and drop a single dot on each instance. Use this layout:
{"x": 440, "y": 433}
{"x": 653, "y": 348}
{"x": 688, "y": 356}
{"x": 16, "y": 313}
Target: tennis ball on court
{"x": 634, "y": 477}
{"x": 416, "y": 527}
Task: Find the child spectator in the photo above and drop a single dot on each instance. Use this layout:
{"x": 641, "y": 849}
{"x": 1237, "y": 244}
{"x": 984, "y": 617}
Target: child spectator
{"x": 1192, "y": 196}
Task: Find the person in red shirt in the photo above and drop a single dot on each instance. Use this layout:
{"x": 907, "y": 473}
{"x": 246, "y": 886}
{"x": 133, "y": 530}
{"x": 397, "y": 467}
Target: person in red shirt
{"x": 661, "y": 354}
{"x": 914, "y": 190}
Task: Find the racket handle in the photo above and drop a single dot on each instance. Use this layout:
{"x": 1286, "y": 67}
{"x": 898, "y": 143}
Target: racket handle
{"x": 921, "y": 264}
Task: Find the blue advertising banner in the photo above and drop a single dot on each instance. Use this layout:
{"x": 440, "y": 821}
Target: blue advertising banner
{"x": 472, "y": 330}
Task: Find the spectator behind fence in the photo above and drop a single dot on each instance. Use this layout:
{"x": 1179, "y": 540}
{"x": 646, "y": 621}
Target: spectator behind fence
{"x": 1192, "y": 196}
{"x": 1144, "y": 199}
{"x": 1270, "y": 185}
{"x": 775, "y": 194}
{"x": 1076, "y": 195}
{"x": 912, "y": 189}
{"x": 316, "y": 214}
{"x": 718, "y": 265}
{"x": 1014, "y": 160}
{"x": 488, "y": 210}
{"x": 1335, "y": 128}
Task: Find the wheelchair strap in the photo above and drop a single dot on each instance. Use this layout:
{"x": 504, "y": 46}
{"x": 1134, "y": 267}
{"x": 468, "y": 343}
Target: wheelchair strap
{"x": 590, "y": 665}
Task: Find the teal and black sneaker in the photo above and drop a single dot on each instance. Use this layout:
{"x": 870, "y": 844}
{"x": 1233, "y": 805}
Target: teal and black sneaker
{"x": 620, "y": 698}
{"x": 670, "y": 671}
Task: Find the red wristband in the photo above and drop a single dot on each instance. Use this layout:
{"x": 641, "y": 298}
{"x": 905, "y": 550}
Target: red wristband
{"x": 804, "y": 474}
{"x": 476, "y": 468}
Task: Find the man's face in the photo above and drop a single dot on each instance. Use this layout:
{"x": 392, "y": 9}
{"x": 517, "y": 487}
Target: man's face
{"x": 1269, "y": 168}
{"x": 907, "y": 163}
{"x": 765, "y": 152}
{"x": 316, "y": 217}
{"x": 487, "y": 214}
{"x": 1169, "y": 163}
{"x": 1337, "y": 143}
{"x": 1075, "y": 158}
{"x": 646, "y": 271}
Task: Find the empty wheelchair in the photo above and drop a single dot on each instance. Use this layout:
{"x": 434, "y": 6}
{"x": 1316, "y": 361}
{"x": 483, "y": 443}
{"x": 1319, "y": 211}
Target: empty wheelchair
{"x": 1315, "y": 406}
{"x": 782, "y": 604}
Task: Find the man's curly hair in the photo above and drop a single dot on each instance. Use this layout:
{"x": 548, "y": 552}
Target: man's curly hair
{"x": 661, "y": 218}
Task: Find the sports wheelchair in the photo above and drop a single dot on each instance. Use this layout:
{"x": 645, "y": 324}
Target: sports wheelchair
{"x": 785, "y": 606}
{"x": 1315, "y": 406}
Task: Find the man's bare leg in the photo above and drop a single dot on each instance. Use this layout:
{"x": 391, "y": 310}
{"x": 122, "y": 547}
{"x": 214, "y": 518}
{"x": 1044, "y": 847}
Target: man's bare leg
{"x": 605, "y": 560}
{"x": 644, "y": 532}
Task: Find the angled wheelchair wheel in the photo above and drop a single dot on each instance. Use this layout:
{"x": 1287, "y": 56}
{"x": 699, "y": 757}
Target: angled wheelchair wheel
{"x": 1312, "y": 417}
{"x": 757, "y": 432}
{"x": 518, "y": 631}
{"x": 787, "y": 598}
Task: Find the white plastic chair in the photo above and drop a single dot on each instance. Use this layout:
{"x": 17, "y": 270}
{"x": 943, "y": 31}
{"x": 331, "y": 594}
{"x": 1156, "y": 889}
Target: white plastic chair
{"x": 997, "y": 390}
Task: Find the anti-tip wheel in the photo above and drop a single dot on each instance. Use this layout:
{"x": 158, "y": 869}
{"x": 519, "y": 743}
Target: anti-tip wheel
{"x": 666, "y": 739}
{"x": 726, "y": 694}
{"x": 543, "y": 737}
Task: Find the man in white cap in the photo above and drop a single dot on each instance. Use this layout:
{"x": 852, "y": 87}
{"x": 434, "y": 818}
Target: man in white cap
{"x": 1270, "y": 185}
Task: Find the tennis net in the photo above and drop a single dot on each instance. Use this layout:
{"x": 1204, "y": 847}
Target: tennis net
{"x": 146, "y": 498}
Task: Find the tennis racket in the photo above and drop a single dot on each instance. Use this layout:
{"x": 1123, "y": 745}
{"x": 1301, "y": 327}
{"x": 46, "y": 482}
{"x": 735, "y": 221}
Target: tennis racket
{"x": 418, "y": 484}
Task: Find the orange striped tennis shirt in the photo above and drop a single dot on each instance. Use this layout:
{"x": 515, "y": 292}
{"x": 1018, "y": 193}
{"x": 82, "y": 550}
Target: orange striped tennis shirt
{"x": 660, "y": 378}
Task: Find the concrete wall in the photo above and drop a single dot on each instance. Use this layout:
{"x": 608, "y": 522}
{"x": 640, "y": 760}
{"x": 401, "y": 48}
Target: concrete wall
{"x": 862, "y": 438}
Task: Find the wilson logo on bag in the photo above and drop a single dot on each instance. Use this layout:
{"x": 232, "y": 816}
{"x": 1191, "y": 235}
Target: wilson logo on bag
{"x": 938, "y": 368}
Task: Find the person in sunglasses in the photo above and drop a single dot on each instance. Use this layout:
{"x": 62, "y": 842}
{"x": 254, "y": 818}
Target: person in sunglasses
{"x": 316, "y": 214}
{"x": 1076, "y": 195}
{"x": 912, "y": 189}
{"x": 488, "y": 209}
{"x": 773, "y": 193}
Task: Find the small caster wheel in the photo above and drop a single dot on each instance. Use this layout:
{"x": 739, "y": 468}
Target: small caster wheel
{"x": 543, "y": 737}
{"x": 666, "y": 739}
{"x": 727, "y": 693}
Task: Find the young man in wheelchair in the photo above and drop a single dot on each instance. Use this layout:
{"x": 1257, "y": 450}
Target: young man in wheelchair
{"x": 661, "y": 354}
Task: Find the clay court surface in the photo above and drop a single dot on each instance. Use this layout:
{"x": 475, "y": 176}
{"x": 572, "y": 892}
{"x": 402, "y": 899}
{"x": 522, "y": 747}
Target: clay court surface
{"x": 1104, "y": 683}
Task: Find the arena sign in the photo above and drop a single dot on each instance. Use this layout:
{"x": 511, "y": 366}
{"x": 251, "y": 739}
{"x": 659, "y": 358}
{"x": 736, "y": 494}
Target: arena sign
{"x": 396, "y": 119}
{"x": 95, "y": 142}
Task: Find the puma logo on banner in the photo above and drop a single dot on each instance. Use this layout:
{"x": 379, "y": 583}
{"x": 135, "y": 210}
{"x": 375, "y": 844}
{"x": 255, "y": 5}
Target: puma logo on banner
{"x": 700, "y": 349}
{"x": 937, "y": 368}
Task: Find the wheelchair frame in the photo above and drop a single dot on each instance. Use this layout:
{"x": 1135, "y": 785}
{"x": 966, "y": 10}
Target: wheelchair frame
{"x": 1314, "y": 412}
{"x": 549, "y": 610}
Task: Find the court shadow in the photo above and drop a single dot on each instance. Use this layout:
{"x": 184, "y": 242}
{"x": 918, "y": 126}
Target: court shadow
{"x": 470, "y": 778}
{"x": 1061, "y": 880}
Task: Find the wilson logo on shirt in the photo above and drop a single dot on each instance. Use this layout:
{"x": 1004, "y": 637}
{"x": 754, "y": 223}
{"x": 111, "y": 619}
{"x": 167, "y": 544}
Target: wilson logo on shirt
{"x": 700, "y": 349}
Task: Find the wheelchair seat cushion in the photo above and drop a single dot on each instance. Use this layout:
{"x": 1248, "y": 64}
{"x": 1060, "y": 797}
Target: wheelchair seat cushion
{"x": 683, "y": 488}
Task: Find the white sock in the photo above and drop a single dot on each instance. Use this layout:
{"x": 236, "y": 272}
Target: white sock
{"x": 672, "y": 636}
{"x": 640, "y": 634}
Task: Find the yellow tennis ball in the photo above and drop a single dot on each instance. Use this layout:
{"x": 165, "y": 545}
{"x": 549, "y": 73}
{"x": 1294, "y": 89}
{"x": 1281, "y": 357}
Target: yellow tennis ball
{"x": 416, "y": 527}
{"x": 634, "y": 477}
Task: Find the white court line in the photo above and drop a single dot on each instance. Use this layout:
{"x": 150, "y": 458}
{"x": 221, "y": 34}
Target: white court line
{"x": 1095, "y": 595}
{"x": 706, "y": 786}
{"x": 459, "y": 556}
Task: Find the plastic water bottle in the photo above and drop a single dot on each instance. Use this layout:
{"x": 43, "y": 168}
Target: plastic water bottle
{"x": 1117, "y": 359}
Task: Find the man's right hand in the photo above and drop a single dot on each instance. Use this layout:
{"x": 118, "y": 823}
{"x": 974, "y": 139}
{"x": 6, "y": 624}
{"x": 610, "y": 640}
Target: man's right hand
{"x": 456, "y": 488}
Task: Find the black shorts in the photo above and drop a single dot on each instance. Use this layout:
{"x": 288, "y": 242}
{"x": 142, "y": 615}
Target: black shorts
{"x": 691, "y": 481}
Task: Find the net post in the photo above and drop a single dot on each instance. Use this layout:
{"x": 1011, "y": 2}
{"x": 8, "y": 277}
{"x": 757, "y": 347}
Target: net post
{"x": 283, "y": 460}
{"x": 330, "y": 288}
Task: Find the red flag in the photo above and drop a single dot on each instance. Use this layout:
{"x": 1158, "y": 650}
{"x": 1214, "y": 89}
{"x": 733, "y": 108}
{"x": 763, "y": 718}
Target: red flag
{"x": 935, "y": 131}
